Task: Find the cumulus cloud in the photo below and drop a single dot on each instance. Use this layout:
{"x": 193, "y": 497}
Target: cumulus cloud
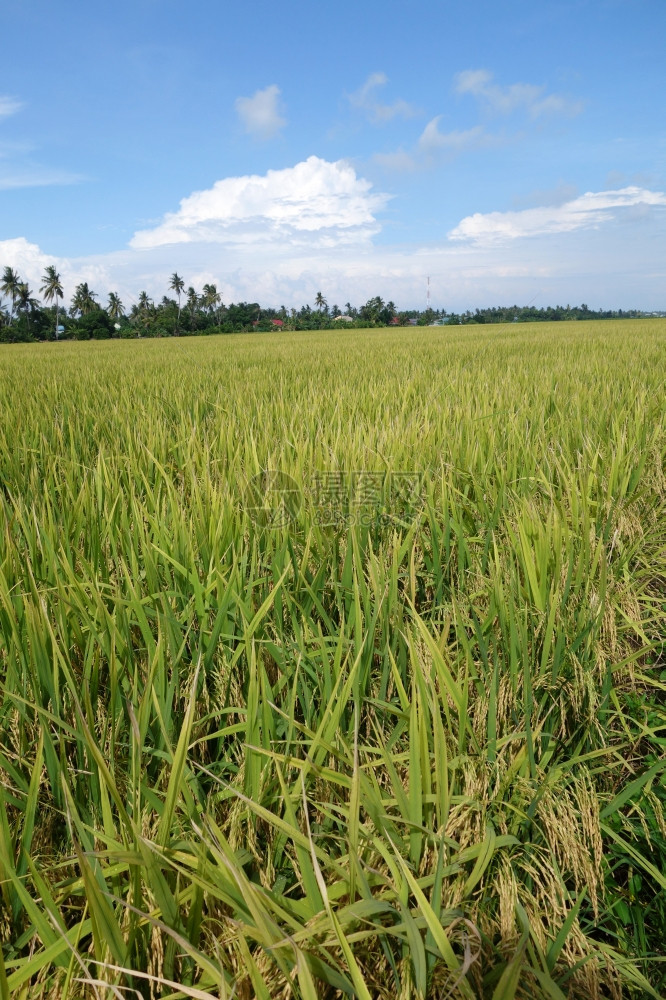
{"x": 365, "y": 99}
{"x": 613, "y": 266}
{"x": 505, "y": 100}
{"x": 30, "y": 261}
{"x": 281, "y": 237}
{"x": 261, "y": 114}
{"x": 24, "y": 257}
{"x": 315, "y": 203}
{"x": 588, "y": 211}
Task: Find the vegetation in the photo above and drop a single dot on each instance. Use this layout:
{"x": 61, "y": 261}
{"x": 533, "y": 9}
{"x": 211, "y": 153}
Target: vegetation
{"x": 543, "y": 314}
{"x": 24, "y": 319}
{"x": 334, "y": 665}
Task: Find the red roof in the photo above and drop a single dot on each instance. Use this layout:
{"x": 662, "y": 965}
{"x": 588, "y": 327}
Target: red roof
{"x": 277, "y": 322}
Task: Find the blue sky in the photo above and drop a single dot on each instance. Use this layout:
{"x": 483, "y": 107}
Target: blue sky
{"x": 513, "y": 151}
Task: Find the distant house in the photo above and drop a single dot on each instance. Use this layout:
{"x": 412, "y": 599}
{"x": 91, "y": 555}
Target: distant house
{"x": 343, "y": 319}
{"x": 273, "y": 322}
{"x": 394, "y": 321}
{"x": 412, "y": 322}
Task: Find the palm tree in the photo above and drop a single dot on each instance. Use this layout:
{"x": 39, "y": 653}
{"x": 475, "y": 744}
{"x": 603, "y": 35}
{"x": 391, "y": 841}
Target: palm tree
{"x": 192, "y": 302}
{"x": 52, "y": 289}
{"x": 25, "y": 302}
{"x": 144, "y": 302}
{"x": 10, "y": 286}
{"x": 320, "y": 301}
{"x": 211, "y": 297}
{"x": 372, "y": 308}
{"x": 83, "y": 300}
{"x": 144, "y": 309}
{"x": 115, "y": 307}
{"x": 177, "y": 285}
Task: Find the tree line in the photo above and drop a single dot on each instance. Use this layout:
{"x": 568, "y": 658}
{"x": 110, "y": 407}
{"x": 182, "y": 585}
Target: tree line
{"x": 185, "y": 311}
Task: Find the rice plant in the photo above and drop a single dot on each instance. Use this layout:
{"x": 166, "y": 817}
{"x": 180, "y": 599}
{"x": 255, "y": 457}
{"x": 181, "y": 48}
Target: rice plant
{"x": 333, "y": 665}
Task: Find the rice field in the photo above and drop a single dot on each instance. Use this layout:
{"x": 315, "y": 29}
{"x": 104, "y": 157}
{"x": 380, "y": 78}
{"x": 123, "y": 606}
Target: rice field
{"x": 334, "y": 665}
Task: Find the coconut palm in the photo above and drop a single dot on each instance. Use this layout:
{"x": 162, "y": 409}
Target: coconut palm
{"x": 83, "y": 300}
{"x": 177, "y": 285}
{"x": 372, "y": 309}
{"x": 52, "y": 289}
{"x": 10, "y": 286}
{"x": 115, "y": 307}
{"x": 25, "y": 302}
{"x": 145, "y": 302}
{"x": 320, "y": 301}
{"x": 192, "y": 302}
{"x": 211, "y": 297}
{"x": 144, "y": 311}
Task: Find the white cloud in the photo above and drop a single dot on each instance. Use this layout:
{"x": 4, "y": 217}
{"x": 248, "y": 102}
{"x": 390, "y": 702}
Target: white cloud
{"x": 290, "y": 233}
{"x": 35, "y": 176}
{"x": 315, "y": 203}
{"x": 434, "y": 146}
{"x": 505, "y": 100}
{"x": 432, "y": 140}
{"x": 30, "y": 261}
{"x": 610, "y": 267}
{"x": 365, "y": 99}
{"x": 590, "y": 210}
{"x": 24, "y": 257}
{"x": 17, "y": 169}
{"x": 9, "y": 105}
{"x": 10, "y": 149}
{"x": 555, "y": 196}
{"x": 399, "y": 160}
{"x": 261, "y": 114}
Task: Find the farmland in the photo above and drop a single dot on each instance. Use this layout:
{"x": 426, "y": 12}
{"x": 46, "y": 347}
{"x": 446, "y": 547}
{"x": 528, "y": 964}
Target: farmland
{"x": 333, "y": 664}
